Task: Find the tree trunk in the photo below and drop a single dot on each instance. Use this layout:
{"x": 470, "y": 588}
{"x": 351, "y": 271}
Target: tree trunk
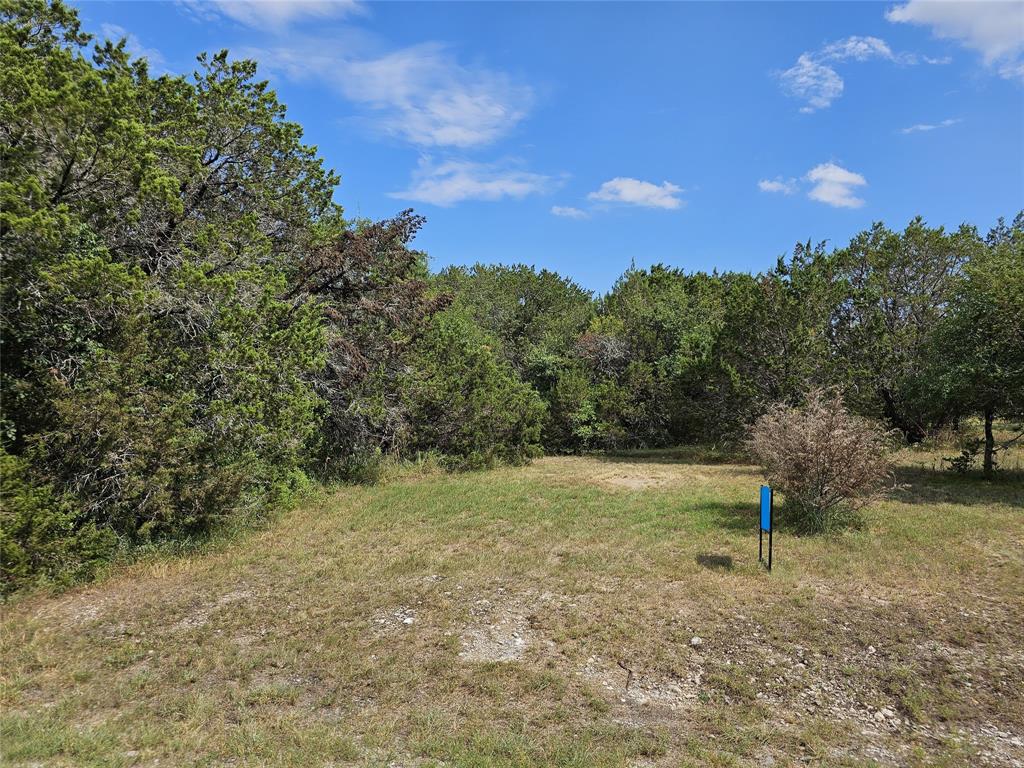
{"x": 990, "y": 443}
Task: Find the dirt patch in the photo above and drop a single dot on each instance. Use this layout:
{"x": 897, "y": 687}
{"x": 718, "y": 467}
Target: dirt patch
{"x": 626, "y": 476}
{"x": 394, "y": 619}
{"x": 80, "y": 608}
{"x": 503, "y": 640}
{"x": 498, "y": 631}
{"x": 619, "y": 476}
{"x": 636, "y": 687}
{"x": 200, "y": 616}
{"x": 501, "y": 628}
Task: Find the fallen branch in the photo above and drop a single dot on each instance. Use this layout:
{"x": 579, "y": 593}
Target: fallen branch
{"x": 629, "y": 673}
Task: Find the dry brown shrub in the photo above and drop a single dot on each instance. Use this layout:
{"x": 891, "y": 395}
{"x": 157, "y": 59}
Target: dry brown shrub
{"x": 828, "y": 463}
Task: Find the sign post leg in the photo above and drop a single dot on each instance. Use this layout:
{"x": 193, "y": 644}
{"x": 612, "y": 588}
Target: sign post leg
{"x": 766, "y": 522}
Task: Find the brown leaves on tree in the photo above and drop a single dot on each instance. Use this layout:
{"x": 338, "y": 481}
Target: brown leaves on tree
{"x": 828, "y": 463}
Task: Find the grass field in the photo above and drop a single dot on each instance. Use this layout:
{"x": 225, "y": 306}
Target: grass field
{"x": 545, "y": 615}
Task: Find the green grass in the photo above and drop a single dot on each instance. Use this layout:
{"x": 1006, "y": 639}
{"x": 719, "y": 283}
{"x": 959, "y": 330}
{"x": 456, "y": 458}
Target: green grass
{"x": 531, "y": 592}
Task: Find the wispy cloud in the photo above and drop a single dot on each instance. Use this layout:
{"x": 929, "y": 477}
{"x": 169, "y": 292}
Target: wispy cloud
{"x": 856, "y": 48}
{"x": 778, "y": 184}
{"x": 922, "y": 127}
{"x": 994, "y": 29}
{"x": 813, "y": 82}
{"x": 568, "y": 212}
{"x": 455, "y": 181}
{"x": 835, "y": 186}
{"x": 420, "y": 94}
{"x": 814, "y": 79}
{"x": 157, "y": 62}
{"x": 270, "y": 14}
{"x": 637, "y": 192}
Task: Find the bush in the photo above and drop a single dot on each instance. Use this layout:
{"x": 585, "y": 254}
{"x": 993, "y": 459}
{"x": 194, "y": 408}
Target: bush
{"x": 826, "y": 462}
{"x": 41, "y": 538}
{"x": 467, "y": 403}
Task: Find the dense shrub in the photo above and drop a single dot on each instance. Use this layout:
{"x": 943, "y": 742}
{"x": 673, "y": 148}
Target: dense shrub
{"x": 176, "y": 276}
{"x": 533, "y": 319}
{"x": 465, "y": 401}
{"x": 827, "y": 463}
{"x": 42, "y": 537}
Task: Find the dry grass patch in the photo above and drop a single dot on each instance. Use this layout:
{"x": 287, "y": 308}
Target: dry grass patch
{"x": 545, "y": 616}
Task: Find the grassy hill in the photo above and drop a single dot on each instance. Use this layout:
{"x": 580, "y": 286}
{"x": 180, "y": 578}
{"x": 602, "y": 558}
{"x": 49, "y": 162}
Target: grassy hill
{"x": 546, "y": 615}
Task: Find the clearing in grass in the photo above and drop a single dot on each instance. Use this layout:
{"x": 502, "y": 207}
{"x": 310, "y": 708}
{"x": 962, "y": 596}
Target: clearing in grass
{"x": 580, "y": 611}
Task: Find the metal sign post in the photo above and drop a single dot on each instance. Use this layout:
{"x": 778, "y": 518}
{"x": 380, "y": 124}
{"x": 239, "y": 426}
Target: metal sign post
{"x": 767, "y": 515}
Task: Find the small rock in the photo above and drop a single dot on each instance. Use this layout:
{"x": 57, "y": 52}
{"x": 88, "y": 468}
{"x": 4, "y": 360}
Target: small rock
{"x": 408, "y": 620}
{"x": 696, "y": 642}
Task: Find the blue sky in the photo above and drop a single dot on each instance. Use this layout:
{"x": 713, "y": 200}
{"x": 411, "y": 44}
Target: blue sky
{"x": 585, "y": 136}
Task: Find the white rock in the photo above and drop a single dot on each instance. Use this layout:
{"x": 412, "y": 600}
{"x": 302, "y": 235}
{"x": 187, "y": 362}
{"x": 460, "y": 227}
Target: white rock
{"x": 696, "y": 642}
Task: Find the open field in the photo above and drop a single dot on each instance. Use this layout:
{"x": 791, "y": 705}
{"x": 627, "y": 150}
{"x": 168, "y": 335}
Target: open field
{"x": 543, "y": 616}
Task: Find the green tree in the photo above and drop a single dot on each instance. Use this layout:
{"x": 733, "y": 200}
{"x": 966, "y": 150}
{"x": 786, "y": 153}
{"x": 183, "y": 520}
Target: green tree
{"x": 156, "y": 375}
{"x": 771, "y": 343}
{"x": 535, "y": 319}
{"x": 530, "y": 312}
{"x": 465, "y": 400}
{"x": 374, "y": 297}
{"x": 897, "y": 289}
{"x": 981, "y": 340}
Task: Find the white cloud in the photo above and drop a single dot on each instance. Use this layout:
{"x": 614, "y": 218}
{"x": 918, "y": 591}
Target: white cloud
{"x": 424, "y": 95}
{"x": 857, "y": 48}
{"x": 778, "y": 184}
{"x": 809, "y": 80}
{"x": 834, "y": 185}
{"x": 994, "y": 29}
{"x": 922, "y": 127}
{"x": 270, "y": 14}
{"x": 157, "y": 62}
{"x": 1012, "y": 70}
{"x": 455, "y": 181}
{"x": 814, "y": 79}
{"x": 636, "y": 192}
{"x": 568, "y": 212}
{"x": 420, "y": 94}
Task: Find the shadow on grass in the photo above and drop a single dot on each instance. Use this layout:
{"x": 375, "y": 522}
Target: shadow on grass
{"x": 683, "y": 454}
{"x": 715, "y": 562}
{"x": 733, "y": 517}
{"x": 927, "y": 486}
{"x": 743, "y": 517}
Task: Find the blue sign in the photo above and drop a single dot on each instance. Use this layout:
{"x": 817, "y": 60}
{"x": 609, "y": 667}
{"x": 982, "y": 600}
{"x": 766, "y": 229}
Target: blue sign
{"x": 766, "y": 508}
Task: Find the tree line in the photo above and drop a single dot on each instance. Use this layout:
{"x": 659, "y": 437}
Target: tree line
{"x": 192, "y": 328}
